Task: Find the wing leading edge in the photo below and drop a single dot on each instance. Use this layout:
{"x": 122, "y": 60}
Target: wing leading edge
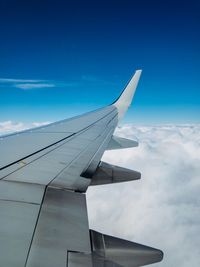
{"x": 44, "y": 174}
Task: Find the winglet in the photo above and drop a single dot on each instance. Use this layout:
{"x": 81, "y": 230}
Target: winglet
{"x": 125, "y": 99}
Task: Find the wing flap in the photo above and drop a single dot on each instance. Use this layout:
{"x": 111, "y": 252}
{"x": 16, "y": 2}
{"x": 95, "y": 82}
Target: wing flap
{"x": 62, "y": 226}
{"x": 16, "y": 231}
{"x": 21, "y": 192}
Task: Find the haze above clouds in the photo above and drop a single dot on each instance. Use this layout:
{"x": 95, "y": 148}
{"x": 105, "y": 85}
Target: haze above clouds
{"x": 161, "y": 209}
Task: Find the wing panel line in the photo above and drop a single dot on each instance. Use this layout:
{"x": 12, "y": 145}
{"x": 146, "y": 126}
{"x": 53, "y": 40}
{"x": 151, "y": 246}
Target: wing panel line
{"x": 57, "y": 142}
{"x": 92, "y": 156}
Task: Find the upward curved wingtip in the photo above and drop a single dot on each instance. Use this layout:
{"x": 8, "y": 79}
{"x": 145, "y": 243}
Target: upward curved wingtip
{"x": 125, "y": 99}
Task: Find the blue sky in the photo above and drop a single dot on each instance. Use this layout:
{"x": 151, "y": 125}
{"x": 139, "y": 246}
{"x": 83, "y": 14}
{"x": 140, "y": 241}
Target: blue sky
{"x": 62, "y": 58}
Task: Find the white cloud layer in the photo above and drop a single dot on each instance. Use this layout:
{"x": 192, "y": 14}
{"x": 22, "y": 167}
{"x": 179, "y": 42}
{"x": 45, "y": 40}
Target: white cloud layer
{"x": 163, "y": 208}
{"x": 7, "y": 127}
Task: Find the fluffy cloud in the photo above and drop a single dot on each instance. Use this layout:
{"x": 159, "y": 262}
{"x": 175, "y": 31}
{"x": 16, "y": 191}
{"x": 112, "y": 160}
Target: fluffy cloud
{"x": 161, "y": 209}
{"x": 7, "y": 127}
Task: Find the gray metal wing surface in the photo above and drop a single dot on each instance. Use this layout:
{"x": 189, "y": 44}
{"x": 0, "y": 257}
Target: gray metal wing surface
{"x": 44, "y": 174}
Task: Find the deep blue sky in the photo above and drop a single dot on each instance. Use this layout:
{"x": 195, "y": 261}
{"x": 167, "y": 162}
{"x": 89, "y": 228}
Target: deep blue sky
{"x": 79, "y": 55}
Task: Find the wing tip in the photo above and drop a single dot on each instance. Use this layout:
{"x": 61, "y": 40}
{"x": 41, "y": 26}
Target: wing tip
{"x": 124, "y": 100}
{"x": 139, "y": 70}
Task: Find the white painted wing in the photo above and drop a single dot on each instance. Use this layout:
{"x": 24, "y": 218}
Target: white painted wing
{"x": 125, "y": 99}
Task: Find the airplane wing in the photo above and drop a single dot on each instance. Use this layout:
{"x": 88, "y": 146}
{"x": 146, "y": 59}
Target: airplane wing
{"x": 44, "y": 174}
